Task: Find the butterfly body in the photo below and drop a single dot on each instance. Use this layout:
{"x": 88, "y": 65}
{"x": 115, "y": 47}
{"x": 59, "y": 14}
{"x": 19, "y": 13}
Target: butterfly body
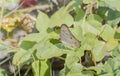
{"x": 67, "y": 37}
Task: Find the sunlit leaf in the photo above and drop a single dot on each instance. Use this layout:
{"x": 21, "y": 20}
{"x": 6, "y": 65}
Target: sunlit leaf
{"x": 107, "y": 33}
{"x": 42, "y": 22}
{"x": 76, "y": 70}
{"x": 77, "y": 31}
{"x": 89, "y": 27}
{"x": 71, "y": 59}
{"x": 35, "y": 37}
{"x": 46, "y": 50}
{"x": 36, "y": 67}
{"x": 21, "y": 57}
{"x": 99, "y": 51}
{"x": 61, "y": 17}
{"x": 111, "y": 44}
{"x": 90, "y": 39}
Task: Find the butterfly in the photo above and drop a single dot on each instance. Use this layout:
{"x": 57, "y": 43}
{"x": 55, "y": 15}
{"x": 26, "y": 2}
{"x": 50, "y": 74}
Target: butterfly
{"x": 67, "y": 38}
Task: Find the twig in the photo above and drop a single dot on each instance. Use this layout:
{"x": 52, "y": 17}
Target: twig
{"x": 40, "y": 7}
{"x": 13, "y": 10}
{"x": 28, "y": 9}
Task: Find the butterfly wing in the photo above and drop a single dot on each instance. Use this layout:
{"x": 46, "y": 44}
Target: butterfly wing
{"x": 67, "y": 37}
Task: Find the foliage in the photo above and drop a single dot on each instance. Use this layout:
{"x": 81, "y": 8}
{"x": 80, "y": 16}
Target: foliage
{"x": 3, "y": 72}
{"x": 95, "y": 25}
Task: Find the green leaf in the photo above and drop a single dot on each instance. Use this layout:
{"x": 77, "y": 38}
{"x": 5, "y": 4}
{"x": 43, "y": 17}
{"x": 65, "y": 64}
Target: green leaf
{"x": 108, "y": 67}
{"x": 99, "y": 51}
{"x": 21, "y": 57}
{"x": 77, "y": 31}
{"x": 41, "y": 68}
{"x": 89, "y": 27}
{"x": 61, "y": 17}
{"x": 47, "y": 50}
{"x": 108, "y": 74}
{"x": 114, "y": 63}
{"x": 107, "y": 33}
{"x": 118, "y": 73}
{"x": 119, "y": 47}
{"x": 3, "y": 72}
{"x": 79, "y": 14}
{"x": 74, "y": 71}
{"x": 36, "y": 68}
{"x": 117, "y": 36}
{"x": 116, "y": 52}
{"x": 95, "y": 21}
{"x": 53, "y": 35}
{"x": 102, "y": 12}
{"x": 112, "y": 17}
{"x": 74, "y": 4}
{"x": 111, "y": 44}
{"x": 27, "y": 44}
{"x": 88, "y": 73}
{"x": 90, "y": 39}
{"x": 113, "y": 4}
{"x": 42, "y": 22}
{"x": 94, "y": 17}
{"x": 80, "y": 51}
{"x": 74, "y": 56}
{"x": 71, "y": 59}
{"x": 103, "y": 69}
{"x": 35, "y": 37}
{"x": 96, "y": 25}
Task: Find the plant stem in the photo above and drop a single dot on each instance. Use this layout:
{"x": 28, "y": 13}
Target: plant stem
{"x": 5, "y": 60}
{"x": 27, "y": 71}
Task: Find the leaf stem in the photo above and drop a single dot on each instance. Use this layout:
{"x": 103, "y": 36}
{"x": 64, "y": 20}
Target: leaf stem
{"x": 5, "y": 60}
{"x": 29, "y": 68}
